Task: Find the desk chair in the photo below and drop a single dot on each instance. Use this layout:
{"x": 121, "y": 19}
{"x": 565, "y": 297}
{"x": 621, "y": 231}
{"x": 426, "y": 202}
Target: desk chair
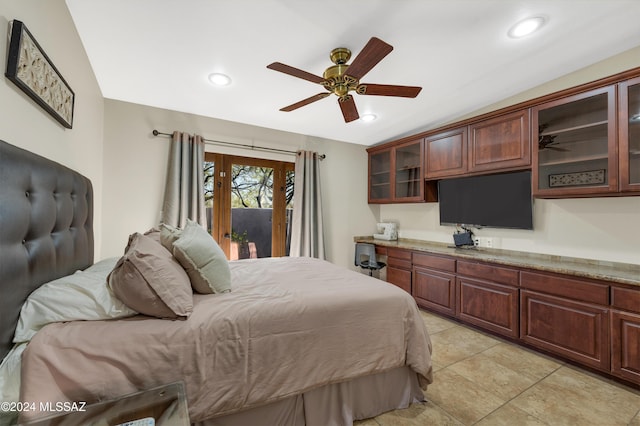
{"x": 366, "y": 258}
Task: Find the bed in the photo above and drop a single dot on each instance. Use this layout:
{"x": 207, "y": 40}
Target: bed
{"x": 296, "y": 341}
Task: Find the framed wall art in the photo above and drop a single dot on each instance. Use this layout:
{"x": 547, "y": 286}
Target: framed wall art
{"x": 29, "y": 68}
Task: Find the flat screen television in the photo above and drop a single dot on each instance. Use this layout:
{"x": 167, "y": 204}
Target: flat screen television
{"x": 498, "y": 201}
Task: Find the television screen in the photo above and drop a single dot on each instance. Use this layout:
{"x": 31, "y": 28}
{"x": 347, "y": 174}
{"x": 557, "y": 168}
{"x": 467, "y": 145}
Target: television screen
{"x": 498, "y": 201}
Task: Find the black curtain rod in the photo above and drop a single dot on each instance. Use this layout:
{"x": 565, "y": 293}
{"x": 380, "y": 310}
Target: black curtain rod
{"x": 240, "y": 145}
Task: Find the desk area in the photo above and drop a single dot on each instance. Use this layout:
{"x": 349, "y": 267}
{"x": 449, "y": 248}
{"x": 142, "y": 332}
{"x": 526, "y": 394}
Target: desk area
{"x": 585, "y": 311}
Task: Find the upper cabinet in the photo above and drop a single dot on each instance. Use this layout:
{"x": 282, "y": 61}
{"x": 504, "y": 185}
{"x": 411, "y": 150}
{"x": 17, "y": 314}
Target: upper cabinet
{"x": 500, "y": 143}
{"x": 380, "y": 176}
{"x": 575, "y": 152}
{"x": 629, "y": 135}
{"x": 396, "y": 174}
{"x": 446, "y": 153}
{"x": 497, "y": 144}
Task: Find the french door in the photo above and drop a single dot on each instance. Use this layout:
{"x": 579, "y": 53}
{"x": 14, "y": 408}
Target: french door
{"x": 249, "y": 204}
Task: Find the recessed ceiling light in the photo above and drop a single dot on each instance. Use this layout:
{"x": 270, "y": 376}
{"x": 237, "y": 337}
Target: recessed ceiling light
{"x": 368, "y": 117}
{"x": 219, "y": 79}
{"x": 526, "y": 27}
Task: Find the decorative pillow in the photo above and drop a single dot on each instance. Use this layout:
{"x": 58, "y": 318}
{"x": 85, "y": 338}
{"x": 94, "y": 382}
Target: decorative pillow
{"x": 83, "y": 295}
{"x": 148, "y": 279}
{"x": 169, "y": 235}
{"x": 154, "y": 234}
{"x": 203, "y": 259}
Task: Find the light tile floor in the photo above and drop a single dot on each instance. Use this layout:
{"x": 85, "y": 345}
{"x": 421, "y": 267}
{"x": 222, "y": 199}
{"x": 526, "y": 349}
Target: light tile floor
{"x": 482, "y": 380}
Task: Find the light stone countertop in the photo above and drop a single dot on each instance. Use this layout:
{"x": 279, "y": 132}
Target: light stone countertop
{"x": 625, "y": 273}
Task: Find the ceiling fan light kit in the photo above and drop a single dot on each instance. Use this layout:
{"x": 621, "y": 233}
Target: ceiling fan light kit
{"x": 340, "y": 79}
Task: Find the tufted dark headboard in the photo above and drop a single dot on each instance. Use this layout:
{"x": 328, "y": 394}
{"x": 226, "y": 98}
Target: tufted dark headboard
{"x": 46, "y": 229}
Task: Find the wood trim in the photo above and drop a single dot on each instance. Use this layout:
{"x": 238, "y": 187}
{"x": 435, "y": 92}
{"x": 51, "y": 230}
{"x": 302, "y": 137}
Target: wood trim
{"x": 606, "y": 81}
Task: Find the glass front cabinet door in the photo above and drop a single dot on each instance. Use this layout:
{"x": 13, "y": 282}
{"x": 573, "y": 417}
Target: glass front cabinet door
{"x": 629, "y": 134}
{"x": 380, "y": 176}
{"x": 409, "y": 179}
{"x": 576, "y": 145}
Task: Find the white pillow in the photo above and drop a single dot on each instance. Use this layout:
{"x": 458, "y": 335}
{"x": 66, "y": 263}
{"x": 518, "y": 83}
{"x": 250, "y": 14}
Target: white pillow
{"x": 84, "y": 295}
{"x": 10, "y": 382}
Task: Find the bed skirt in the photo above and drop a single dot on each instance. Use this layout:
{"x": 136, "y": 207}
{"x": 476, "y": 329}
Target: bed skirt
{"x": 334, "y": 404}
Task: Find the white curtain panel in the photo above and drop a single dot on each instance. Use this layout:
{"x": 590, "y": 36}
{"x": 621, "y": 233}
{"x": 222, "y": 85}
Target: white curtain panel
{"x": 184, "y": 191}
{"x": 307, "y": 238}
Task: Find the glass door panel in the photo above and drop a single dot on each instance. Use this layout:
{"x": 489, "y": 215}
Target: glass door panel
{"x": 380, "y": 176}
{"x": 408, "y": 171}
{"x": 251, "y": 211}
{"x": 633, "y": 121}
{"x": 575, "y": 139}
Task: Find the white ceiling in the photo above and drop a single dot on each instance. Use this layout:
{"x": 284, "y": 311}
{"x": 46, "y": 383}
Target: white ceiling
{"x": 160, "y": 52}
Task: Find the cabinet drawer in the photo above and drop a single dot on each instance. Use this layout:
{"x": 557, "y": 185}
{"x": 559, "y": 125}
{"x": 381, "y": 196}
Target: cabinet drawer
{"x": 435, "y": 262}
{"x": 399, "y": 263}
{"x": 571, "y": 288}
{"x": 488, "y": 305}
{"x": 381, "y": 250}
{"x": 493, "y": 273}
{"x": 578, "y": 331}
{"x": 399, "y": 253}
{"x": 626, "y": 298}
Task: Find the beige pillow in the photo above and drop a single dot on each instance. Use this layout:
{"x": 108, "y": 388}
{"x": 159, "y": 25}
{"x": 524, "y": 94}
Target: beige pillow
{"x": 149, "y": 280}
{"x": 203, "y": 259}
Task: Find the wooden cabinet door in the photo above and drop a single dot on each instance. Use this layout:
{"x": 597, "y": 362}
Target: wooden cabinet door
{"x": 488, "y": 305}
{"x": 399, "y": 277}
{"x": 629, "y": 135}
{"x": 435, "y": 290}
{"x": 575, "y": 330}
{"x": 625, "y": 345}
{"x": 445, "y": 154}
{"x": 399, "y": 268}
{"x": 500, "y": 143}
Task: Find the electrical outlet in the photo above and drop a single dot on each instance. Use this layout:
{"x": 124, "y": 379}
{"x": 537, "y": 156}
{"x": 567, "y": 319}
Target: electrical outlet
{"x": 486, "y": 242}
{"x": 476, "y": 242}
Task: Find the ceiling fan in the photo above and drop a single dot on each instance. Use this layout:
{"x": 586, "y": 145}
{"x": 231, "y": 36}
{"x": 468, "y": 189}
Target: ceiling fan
{"x": 341, "y": 78}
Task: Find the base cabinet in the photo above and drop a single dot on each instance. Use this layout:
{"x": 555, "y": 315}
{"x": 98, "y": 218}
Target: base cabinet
{"x": 399, "y": 268}
{"x": 575, "y": 330}
{"x": 435, "y": 290}
{"x": 489, "y": 305}
{"x": 625, "y": 345}
{"x": 591, "y": 322}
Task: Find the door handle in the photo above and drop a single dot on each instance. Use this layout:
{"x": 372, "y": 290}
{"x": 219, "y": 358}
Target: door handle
{"x": 227, "y": 236}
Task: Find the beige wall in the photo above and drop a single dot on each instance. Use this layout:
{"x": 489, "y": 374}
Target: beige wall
{"x": 127, "y": 171}
{"x": 592, "y": 228}
{"x": 27, "y": 125}
{"x": 135, "y": 166}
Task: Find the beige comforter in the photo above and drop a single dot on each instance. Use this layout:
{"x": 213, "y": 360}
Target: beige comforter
{"x": 289, "y": 325}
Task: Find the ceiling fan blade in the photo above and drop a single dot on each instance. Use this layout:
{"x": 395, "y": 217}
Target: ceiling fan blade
{"x": 305, "y": 102}
{"x": 348, "y": 107}
{"x": 372, "y": 53}
{"x": 389, "y": 90}
{"x": 277, "y": 66}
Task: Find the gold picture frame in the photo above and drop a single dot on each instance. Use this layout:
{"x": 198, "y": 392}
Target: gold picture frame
{"x": 29, "y": 68}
